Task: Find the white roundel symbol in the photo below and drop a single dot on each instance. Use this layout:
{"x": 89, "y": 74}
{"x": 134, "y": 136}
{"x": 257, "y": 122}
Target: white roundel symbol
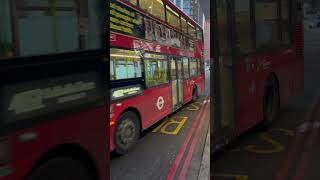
{"x": 160, "y": 102}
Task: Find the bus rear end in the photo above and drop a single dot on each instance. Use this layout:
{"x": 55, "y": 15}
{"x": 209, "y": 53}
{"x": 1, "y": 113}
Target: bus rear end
{"x": 53, "y": 90}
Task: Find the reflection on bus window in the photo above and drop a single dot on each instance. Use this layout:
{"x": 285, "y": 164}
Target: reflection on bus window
{"x": 193, "y": 67}
{"x": 156, "y": 72}
{"x": 243, "y": 27}
{"x": 199, "y": 34}
{"x": 6, "y": 45}
{"x": 199, "y": 66}
{"x": 47, "y": 27}
{"x": 173, "y": 18}
{"x": 285, "y": 22}
{"x": 192, "y": 30}
{"x": 186, "y": 68}
{"x": 154, "y": 7}
{"x": 184, "y": 25}
{"x": 124, "y": 64}
{"x": 267, "y": 24}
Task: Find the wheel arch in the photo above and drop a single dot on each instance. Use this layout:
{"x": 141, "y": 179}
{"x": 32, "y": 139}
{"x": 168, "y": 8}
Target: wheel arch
{"x": 137, "y": 112}
{"x": 72, "y": 151}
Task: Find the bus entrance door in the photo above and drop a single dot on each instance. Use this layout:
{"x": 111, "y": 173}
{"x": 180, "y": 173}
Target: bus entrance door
{"x": 176, "y": 82}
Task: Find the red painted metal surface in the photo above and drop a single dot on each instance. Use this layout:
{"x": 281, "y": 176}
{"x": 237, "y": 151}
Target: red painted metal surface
{"x": 287, "y": 64}
{"x": 84, "y": 130}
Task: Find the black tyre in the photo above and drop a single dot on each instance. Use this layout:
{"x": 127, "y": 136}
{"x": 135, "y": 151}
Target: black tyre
{"x": 127, "y": 132}
{"x": 271, "y": 101}
{"x": 61, "y": 169}
{"x": 195, "y": 95}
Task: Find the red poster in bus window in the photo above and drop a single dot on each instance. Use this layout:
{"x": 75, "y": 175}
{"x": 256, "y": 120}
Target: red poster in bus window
{"x": 149, "y": 29}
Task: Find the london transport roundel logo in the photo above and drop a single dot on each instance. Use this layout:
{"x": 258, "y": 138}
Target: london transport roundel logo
{"x": 160, "y": 102}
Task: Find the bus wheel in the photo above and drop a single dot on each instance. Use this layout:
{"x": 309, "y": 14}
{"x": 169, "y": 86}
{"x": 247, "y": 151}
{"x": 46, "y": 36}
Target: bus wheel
{"x": 271, "y": 101}
{"x": 127, "y": 131}
{"x": 195, "y": 94}
{"x": 60, "y": 169}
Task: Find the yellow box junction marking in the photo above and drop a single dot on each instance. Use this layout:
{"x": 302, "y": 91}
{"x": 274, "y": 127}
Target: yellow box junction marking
{"x": 235, "y": 176}
{"x": 194, "y": 106}
{"x": 287, "y": 132}
{"x": 179, "y": 121}
{"x": 276, "y": 146}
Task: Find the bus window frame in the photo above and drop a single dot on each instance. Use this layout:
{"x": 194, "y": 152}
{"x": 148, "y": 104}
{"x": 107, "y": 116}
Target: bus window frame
{"x": 255, "y": 50}
{"x": 16, "y": 40}
{"x": 174, "y": 13}
{"x": 144, "y": 72}
{"x": 129, "y": 79}
{"x": 187, "y": 58}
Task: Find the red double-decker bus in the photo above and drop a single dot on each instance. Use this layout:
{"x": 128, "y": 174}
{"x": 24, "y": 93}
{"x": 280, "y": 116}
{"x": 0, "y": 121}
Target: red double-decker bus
{"x": 156, "y": 55}
{"x": 53, "y": 93}
{"x": 258, "y": 63}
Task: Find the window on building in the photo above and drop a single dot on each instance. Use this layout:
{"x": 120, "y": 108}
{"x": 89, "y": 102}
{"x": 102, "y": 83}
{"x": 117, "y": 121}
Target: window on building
{"x": 156, "y": 71}
{"x": 184, "y": 25}
{"x": 124, "y": 64}
{"x": 173, "y": 18}
{"x": 193, "y": 67}
{"x": 154, "y": 7}
{"x": 51, "y": 26}
{"x": 192, "y": 30}
{"x": 285, "y": 22}
{"x": 267, "y": 27}
{"x": 186, "y": 68}
{"x": 243, "y": 27}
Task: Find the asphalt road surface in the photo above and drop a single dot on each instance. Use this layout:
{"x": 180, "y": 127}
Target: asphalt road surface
{"x": 171, "y": 149}
{"x": 290, "y": 149}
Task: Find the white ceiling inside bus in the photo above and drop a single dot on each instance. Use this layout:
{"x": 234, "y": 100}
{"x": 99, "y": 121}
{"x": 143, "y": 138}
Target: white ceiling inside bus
{"x": 205, "y": 5}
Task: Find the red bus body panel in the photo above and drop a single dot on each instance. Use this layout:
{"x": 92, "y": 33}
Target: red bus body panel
{"x": 73, "y": 130}
{"x": 287, "y": 64}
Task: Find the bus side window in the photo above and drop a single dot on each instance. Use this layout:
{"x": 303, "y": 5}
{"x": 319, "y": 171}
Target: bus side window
{"x": 267, "y": 24}
{"x": 193, "y": 67}
{"x": 186, "y": 68}
{"x": 52, "y": 26}
{"x": 156, "y": 72}
{"x": 6, "y": 46}
{"x": 154, "y": 7}
{"x": 285, "y": 22}
{"x": 243, "y": 27}
{"x": 124, "y": 64}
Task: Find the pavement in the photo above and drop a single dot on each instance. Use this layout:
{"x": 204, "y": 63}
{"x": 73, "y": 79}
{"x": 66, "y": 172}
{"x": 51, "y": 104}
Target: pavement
{"x": 175, "y": 148}
{"x": 289, "y": 149}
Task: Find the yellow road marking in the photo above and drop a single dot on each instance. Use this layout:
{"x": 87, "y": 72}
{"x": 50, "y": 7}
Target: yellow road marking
{"x": 235, "y": 176}
{"x": 194, "y": 106}
{"x": 277, "y": 147}
{"x": 287, "y": 132}
{"x": 176, "y": 120}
